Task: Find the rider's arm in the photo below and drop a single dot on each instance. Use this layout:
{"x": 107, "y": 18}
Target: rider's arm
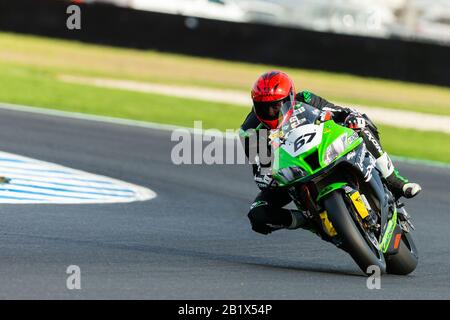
{"x": 339, "y": 113}
{"x": 316, "y": 101}
{"x": 252, "y": 126}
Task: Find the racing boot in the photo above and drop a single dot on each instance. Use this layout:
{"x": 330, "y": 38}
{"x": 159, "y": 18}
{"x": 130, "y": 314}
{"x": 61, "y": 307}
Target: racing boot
{"x": 298, "y": 220}
{"x": 290, "y": 219}
{"x": 399, "y": 185}
{"x": 266, "y": 219}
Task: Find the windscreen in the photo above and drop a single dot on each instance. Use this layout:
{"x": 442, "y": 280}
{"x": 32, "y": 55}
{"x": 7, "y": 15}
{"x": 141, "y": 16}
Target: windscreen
{"x": 295, "y": 116}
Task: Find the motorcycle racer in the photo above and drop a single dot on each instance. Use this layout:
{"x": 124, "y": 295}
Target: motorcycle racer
{"x": 270, "y": 91}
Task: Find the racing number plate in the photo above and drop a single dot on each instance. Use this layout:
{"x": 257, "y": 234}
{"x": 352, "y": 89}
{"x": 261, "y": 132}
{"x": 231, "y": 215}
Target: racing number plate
{"x": 303, "y": 139}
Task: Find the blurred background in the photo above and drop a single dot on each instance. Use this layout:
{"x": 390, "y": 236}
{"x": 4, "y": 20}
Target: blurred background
{"x": 178, "y": 61}
{"x": 420, "y": 20}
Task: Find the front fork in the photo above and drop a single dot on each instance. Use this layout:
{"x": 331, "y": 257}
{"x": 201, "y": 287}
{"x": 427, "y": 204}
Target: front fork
{"x": 393, "y": 216}
{"x": 404, "y": 218}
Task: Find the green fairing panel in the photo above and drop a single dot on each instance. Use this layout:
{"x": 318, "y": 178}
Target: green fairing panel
{"x": 331, "y": 131}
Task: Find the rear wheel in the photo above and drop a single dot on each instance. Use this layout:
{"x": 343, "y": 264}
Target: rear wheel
{"x": 405, "y": 260}
{"x": 353, "y": 236}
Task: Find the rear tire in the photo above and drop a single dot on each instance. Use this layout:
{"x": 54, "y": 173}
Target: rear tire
{"x": 405, "y": 260}
{"x": 351, "y": 235}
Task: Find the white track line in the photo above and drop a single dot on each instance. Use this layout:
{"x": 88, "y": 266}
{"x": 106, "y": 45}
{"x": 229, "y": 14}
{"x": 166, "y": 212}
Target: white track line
{"x": 34, "y": 181}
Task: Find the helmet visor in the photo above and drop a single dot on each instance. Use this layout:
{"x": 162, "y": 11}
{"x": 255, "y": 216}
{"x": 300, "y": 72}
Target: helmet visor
{"x": 268, "y": 110}
{"x": 275, "y": 110}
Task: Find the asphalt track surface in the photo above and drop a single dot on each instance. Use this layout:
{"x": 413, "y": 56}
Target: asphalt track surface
{"x": 193, "y": 241}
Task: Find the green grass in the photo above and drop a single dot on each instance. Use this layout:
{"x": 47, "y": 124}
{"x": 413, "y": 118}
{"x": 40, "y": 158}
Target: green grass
{"x": 58, "y": 57}
{"x": 416, "y": 144}
{"x": 36, "y": 86}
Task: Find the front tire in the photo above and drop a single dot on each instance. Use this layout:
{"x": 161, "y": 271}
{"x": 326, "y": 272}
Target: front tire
{"x": 362, "y": 252}
{"x": 405, "y": 260}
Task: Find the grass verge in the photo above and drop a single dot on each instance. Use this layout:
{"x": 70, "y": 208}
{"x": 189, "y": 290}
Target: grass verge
{"x": 68, "y": 57}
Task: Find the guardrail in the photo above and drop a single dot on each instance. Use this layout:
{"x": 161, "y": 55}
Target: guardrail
{"x": 107, "y": 24}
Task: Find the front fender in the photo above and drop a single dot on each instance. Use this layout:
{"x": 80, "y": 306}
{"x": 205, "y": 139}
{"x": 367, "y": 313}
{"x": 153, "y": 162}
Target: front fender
{"x": 330, "y": 188}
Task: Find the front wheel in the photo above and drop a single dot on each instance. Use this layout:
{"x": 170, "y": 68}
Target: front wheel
{"x": 353, "y": 236}
{"x": 405, "y": 260}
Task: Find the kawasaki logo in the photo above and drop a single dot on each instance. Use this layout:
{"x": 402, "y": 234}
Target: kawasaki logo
{"x": 307, "y": 96}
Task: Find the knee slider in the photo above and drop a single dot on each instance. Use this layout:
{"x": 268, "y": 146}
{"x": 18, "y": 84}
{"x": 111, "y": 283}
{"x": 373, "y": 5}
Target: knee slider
{"x": 258, "y": 219}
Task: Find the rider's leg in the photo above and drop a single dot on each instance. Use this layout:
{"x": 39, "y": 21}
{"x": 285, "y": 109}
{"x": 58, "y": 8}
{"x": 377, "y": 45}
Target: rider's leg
{"x": 266, "y": 213}
{"x": 399, "y": 185}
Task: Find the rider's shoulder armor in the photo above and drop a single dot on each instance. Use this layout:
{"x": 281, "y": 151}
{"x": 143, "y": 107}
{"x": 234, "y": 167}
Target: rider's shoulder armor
{"x": 304, "y": 96}
{"x": 314, "y": 100}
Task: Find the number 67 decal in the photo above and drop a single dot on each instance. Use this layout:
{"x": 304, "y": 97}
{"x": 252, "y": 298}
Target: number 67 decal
{"x": 303, "y": 139}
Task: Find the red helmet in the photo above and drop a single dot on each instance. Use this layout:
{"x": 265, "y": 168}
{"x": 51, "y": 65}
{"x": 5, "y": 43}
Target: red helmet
{"x": 270, "y": 92}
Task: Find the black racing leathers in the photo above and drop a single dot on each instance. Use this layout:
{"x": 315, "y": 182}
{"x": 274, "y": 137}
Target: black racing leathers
{"x": 266, "y": 213}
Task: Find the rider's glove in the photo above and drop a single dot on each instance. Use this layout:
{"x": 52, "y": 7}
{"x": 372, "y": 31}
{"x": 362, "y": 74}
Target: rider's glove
{"x": 339, "y": 114}
{"x": 265, "y": 181}
{"x": 355, "y": 121}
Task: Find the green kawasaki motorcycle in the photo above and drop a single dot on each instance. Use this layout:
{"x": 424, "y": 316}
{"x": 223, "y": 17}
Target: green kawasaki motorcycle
{"x": 332, "y": 177}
